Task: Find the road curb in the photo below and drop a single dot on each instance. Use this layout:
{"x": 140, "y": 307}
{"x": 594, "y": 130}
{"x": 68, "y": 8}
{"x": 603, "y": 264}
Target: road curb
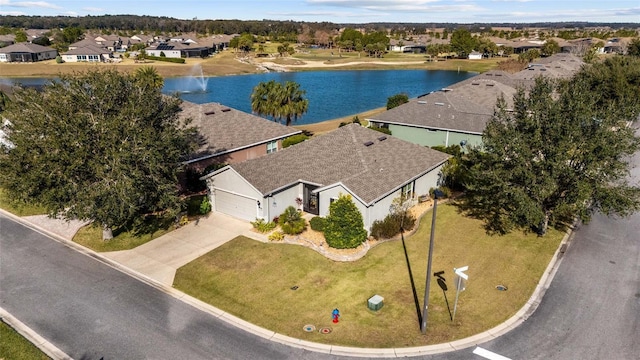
{"x": 521, "y": 316}
{"x": 41, "y": 343}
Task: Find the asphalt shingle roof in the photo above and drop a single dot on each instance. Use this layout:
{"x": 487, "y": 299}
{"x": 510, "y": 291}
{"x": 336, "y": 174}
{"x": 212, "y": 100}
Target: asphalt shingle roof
{"x": 223, "y": 129}
{"x": 371, "y": 172}
{"x": 25, "y": 48}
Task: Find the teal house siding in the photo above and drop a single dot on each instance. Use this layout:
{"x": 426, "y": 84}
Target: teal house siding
{"x": 428, "y": 137}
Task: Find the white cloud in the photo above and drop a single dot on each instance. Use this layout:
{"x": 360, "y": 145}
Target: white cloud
{"x": 29, "y": 4}
{"x": 93, "y": 9}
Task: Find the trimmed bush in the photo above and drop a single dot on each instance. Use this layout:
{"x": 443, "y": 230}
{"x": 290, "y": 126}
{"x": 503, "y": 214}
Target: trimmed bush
{"x": 276, "y": 236}
{"x": 291, "y": 222}
{"x": 344, "y": 228}
{"x": 205, "y": 206}
{"x": 390, "y": 226}
{"x": 292, "y": 140}
{"x": 445, "y": 191}
{"x": 381, "y": 129}
{"x": 317, "y": 223}
{"x": 166, "y": 59}
{"x": 262, "y": 226}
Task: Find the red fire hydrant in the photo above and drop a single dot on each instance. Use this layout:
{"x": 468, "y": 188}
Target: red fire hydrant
{"x": 336, "y": 315}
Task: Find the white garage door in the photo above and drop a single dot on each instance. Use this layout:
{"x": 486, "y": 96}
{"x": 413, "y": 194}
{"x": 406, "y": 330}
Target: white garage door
{"x": 235, "y": 205}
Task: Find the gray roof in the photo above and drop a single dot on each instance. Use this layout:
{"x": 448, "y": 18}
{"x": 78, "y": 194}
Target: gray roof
{"x": 223, "y": 129}
{"x": 88, "y": 50}
{"x": 442, "y": 110}
{"x": 25, "y": 48}
{"x": 341, "y": 156}
{"x": 468, "y": 105}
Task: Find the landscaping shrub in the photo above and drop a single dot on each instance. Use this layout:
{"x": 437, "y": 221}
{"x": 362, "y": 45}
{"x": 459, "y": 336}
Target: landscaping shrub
{"x": 205, "y": 206}
{"x": 262, "y": 226}
{"x": 59, "y": 59}
{"x": 445, "y": 191}
{"x": 317, "y": 223}
{"x": 390, "y": 226}
{"x": 344, "y": 228}
{"x": 292, "y": 140}
{"x": 381, "y": 129}
{"x": 166, "y": 59}
{"x": 276, "y": 236}
{"x": 291, "y": 222}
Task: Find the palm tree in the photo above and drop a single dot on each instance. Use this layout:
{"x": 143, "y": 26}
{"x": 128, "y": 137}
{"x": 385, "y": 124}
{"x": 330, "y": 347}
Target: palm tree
{"x": 279, "y": 101}
{"x": 150, "y": 75}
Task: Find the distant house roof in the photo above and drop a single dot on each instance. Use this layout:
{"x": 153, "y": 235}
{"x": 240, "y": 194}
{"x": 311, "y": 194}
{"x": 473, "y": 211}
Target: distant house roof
{"x": 223, "y": 129}
{"x": 468, "y": 105}
{"x": 368, "y": 163}
{"x": 83, "y": 43}
{"x": 88, "y": 50}
{"x": 25, "y": 48}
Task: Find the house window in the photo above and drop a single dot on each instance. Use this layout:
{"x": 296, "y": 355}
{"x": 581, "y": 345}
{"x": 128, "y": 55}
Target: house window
{"x": 272, "y": 147}
{"x": 407, "y": 191}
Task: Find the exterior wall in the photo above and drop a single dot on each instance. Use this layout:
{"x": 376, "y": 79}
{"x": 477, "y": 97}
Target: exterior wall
{"x": 427, "y": 181}
{"x": 419, "y": 136}
{"x": 28, "y": 57}
{"x": 231, "y": 182}
{"x": 275, "y": 204}
{"x": 426, "y": 137}
{"x": 167, "y": 53}
{"x": 234, "y": 157}
{"x": 87, "y": 58}
{"x": 379, "y": 210}
{"x": 335, "y": 192}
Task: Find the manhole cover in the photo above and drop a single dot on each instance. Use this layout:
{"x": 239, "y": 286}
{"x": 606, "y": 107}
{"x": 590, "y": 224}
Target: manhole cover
{"x": 309, "y": 328}
{"x": 325, "y": 330}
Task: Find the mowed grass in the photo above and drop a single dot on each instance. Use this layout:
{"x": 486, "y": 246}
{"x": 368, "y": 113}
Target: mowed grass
{"x": 253, "y": 281}
{"x": 15, "y": 347}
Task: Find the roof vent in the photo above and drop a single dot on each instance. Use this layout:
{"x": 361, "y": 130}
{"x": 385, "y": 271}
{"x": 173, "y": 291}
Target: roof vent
{"x": 498, "y": 74}
{"x": 490, "y": 74}
{"x": 368, "y": 143}
{"x": 475, "y": 83}
{"x": 490, "y": 84}
{"x": 209, "y": 112}
{"x": 439, "y": 104}
{"x": 382, "y": 138}
{"x": 421, "y": 102}
{"x": 446, "y": 89}
{"x": 225, "y": 109}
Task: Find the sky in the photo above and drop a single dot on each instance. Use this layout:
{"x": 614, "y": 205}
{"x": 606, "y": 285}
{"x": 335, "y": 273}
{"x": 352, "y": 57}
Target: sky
{"x": 345, "y": 11}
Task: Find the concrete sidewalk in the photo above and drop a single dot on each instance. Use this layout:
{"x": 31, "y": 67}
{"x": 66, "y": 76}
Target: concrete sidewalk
{"x": 160, "y": 258}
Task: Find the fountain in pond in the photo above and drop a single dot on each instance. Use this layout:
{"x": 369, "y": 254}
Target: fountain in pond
{"x": 195, "y": 82}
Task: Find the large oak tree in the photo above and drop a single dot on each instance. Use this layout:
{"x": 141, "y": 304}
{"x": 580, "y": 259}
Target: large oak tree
{"x": 561, "y": 152}
{"x": 100, "y": 145}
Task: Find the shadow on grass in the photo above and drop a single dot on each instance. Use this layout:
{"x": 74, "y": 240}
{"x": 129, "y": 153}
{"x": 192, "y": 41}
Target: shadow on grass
{"x": 413, "y": 284}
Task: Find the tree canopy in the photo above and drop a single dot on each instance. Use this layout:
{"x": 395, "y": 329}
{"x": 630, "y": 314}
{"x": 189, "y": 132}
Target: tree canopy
{"x": 561, "y": 152}
{"x": 279, "y": 101}
{"x": 100, "y": 145}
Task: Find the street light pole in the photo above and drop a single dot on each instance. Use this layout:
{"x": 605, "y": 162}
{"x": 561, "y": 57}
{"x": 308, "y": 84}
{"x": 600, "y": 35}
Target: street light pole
{"x": 436, "y": 194}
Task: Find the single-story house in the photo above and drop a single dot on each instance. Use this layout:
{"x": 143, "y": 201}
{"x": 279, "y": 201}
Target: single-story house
{"x": 88, "y": 53}
{"x": 456, "y": 115}
{"x": 177, "y": 50}
{"x": 27, "y": 52}
{"x": 227, "y": 136}
{"x": 459, "y": 113}
{"x": 474, "y": 55}
{"x": 371, "y": 167}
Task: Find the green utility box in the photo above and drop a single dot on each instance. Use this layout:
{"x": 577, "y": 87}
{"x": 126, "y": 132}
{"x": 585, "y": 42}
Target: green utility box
{"x": 375, "y": 302}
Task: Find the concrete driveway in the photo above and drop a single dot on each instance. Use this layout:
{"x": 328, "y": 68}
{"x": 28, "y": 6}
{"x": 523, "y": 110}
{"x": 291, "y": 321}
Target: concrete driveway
{"x": 159, "y": 259}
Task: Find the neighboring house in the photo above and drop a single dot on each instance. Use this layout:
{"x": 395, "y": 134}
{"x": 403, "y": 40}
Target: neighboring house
{"x": 368, "y": 165}
{"x": 6, "y": 40}
{"x": 459, "y": 114}
{"x": 178, "y": 50}
{"x": 221, "y": 41}
{"x": 474, "y": 55}
{"x": 83, "y": 43}
{"x": 27, "y": 52}
{"x": 88, "y": 53}
{"x": 227, "y": 136}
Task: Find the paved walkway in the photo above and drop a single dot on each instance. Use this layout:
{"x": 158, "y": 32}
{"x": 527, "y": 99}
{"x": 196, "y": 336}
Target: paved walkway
{"x": 160, "y": 258}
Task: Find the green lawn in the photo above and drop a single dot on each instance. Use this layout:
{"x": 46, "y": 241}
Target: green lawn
{"x": 253, "y": 281}
{"x": 14, "y": 347}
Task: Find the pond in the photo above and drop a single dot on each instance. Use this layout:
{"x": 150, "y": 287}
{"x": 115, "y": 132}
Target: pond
{"x": 332, "y": 94}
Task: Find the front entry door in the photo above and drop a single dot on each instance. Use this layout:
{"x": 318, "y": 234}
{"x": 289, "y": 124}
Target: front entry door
{"x": 310, "y": 200}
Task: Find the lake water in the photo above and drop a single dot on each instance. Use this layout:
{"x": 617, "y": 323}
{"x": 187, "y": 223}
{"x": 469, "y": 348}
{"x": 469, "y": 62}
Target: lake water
{"x": 332, "y": 94}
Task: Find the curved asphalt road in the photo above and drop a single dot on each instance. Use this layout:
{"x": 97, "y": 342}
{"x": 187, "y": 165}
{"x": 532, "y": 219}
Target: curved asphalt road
{"x": 91, "y": 311}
